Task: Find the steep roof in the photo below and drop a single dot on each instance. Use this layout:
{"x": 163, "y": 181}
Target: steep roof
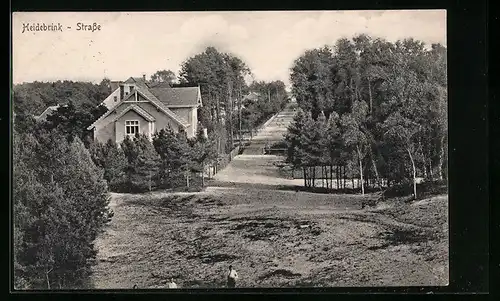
{"x": 159, "y": 85}
{"x": 47, "y": 112}
{"x": 177, "y": 97}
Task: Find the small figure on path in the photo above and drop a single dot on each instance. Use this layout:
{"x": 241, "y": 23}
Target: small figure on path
{"x": 171, "y": 284}
{"x": 232, "y": 276}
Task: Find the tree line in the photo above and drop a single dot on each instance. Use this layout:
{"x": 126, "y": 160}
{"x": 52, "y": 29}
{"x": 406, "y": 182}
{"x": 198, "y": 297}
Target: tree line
{"x": 222, "y": 80}
{"x": 371, "y": 108}
{"x": 170, "y": 160}
{"x": 33, "y": 98}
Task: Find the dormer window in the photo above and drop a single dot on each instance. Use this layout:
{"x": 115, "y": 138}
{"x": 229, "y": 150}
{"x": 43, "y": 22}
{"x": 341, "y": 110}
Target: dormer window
{"x": 115, "y": 98}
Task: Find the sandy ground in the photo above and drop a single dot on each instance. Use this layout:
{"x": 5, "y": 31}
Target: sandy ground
{"x": 273, "y": 238}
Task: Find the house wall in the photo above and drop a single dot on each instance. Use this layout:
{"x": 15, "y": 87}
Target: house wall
{"x": 106, "y": 129}
{"x": 189, "y": 115}
{"x": 183, "y": 113}
{"x": 162, "y": 121}
{"x": 127, "y": 88}
{"x": 109, "y": 101}
{"x": 116, "y": 130}
{"x": 194, "y": 114}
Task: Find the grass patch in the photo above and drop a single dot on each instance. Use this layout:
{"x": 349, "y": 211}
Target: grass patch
{"x": 324, "y": 190}
{"x": 280, "y": 273}
{"x": 424, "y": 190}
{"x": 398, "y": 237}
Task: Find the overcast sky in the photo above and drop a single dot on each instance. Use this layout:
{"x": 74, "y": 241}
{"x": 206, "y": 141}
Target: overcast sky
{"x": 131, "y": 44}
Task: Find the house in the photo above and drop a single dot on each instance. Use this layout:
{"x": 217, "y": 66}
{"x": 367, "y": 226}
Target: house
{"x": 48, "y": 111}
{"x": 135, "y": 106}
{"x": 252, "y": 97}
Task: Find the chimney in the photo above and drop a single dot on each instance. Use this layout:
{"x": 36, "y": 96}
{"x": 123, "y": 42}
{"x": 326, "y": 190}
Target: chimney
{"x": 121, "y": 91}
{"x": 144, "y": 76}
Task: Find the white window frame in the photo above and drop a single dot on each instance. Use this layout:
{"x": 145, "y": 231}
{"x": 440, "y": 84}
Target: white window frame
{"x": 132, "y": 124}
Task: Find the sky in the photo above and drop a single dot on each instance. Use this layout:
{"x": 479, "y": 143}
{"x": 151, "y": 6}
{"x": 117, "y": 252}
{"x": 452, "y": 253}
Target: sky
{"x": 137, "y": 43}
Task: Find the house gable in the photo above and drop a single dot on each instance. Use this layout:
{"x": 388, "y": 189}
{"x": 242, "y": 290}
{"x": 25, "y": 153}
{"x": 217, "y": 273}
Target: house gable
{"x": 145, "y": 98}
{"x": 150, "y": 120}
{"x": 200, "y": 103}
{"x": 136, "y": 109}
{"x": 130, "y": 123}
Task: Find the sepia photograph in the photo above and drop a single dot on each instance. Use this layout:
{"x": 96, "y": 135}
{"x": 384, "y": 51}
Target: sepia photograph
{"x": 229, "y": 149}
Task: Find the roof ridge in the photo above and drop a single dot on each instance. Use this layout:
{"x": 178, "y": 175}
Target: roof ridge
{"x": 175, "y": 94}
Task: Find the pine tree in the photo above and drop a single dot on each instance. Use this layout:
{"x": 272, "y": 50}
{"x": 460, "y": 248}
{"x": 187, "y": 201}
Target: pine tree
{"x": 182, "y": 161}
{"x": 292, "y": 140}
{"x": 143, "y": 162}
{"x": 310, "y": 148}
{"x": 23, "y": 175}
{"x": 163, "y": 142}
{"x": 61, "y": 202}
{"x": 115, "y": 164}
{"x": 130, "y": 150}
{"x": 173, "y": 150}
{"x": 97, "y": 153}
{"x": 202, "y": 152}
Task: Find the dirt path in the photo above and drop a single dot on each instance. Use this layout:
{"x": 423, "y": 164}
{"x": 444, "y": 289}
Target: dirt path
{"x": 253, "y": 167}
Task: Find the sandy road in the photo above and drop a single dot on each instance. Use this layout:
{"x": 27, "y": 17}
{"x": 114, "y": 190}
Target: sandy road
{"x": 254, "y": 167}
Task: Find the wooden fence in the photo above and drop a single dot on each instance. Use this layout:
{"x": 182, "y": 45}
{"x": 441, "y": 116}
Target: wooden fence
{"x": 212, "y": 170}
